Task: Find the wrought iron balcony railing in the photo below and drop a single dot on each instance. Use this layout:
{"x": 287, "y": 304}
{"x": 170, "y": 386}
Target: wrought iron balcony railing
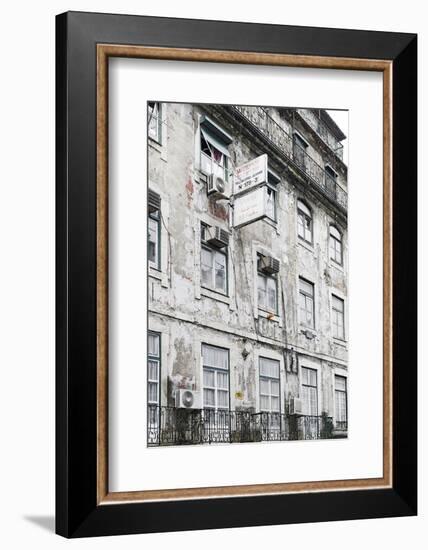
{"x": 172, "y": 426}
{"x": 279, "y": 137}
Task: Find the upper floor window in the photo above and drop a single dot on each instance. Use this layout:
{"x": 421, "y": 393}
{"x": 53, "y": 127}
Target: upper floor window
{"x": 300, "y": 154}
{"x": 153, "y": 377}
{"x": 213, "y": 260}
{"x": 340, "y": 398}
{"x": 310, "y": 391}
{"x": 154, "y": 229}
{"x": 272, "y": 196}
{"x": 269, "y": 385}
{"x": 338, "y": 311}
{"x": 214, "y": 142}
{"x": 215, "y": 362}
{"x": 304, "y": 222}
{"x": 154, "y": 122}
{"x": 336, "y": 249}
{"x": 267, "y": 285}
{"x": 306, "y": 303}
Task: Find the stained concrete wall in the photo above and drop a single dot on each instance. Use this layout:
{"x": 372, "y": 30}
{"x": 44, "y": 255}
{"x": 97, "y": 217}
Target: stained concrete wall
{"x": 187, "y": 315}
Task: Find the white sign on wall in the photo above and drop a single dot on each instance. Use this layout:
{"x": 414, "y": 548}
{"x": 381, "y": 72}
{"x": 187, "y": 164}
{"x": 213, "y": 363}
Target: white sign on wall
{"x": 250, "y": 174}
{"x": 249, "y": 207}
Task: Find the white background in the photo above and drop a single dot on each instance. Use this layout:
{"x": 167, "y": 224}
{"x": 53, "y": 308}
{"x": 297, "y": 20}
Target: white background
{"x": 132, "y": 82}
{"x": 27, "y": 274}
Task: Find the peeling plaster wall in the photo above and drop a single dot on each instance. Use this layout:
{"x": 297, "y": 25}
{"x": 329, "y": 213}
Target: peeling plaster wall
{"x": 187, "y": 315}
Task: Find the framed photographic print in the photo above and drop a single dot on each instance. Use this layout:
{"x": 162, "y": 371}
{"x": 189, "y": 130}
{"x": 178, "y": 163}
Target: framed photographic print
{"x": 236, "y": 274}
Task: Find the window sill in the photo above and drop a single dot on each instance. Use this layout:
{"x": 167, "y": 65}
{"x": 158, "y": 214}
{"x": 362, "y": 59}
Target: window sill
{"x": 154, "y": 144}
{"x": 208, "y": 293}
{"x": 272, "y": 223}
{"x": 337, "y": 266}
{"x": 306, "y": 245}
{"x": 157, "y": 274}
{"x": 340, "y": 342}
{"x": 268, "y": 315}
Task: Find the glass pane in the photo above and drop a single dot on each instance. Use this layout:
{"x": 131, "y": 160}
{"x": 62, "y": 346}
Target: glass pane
{"x": 209, "y": 398}
{"x": 305, "y": 377}
{"x": 222, "y": 399}
{"x": 274, "y": 388}
{"x": 313, "y": 407}
{"x": 264, "y": 386}
{"x": 306, "y": 287}
{"x": 312, "y": 377}
{"x": 153, "y": 240}
{"x": 275, "y": 404}
{"x": 337, "y": 303}
{"x": 209, "y": 378}
{"x": 215, "y": 357}
{"x": 264, "y": 403}
{"x": 272, "y": 300}
{"x": 206, "y": 267}
{"x": 270, "y": 202}
{"x": 153, "y": 392}
{"x": 153, "y": 344}
{"x": 220, "y": 271}
{"x": 269, "y": 367}
{"x": 223, "y": 380}
{"x": 153, "y": 369}
{"x": 340, "y": 382}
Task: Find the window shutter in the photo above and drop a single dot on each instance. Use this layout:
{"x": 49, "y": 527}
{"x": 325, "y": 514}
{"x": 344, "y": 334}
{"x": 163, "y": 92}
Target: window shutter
{"x": 154, "y": 201}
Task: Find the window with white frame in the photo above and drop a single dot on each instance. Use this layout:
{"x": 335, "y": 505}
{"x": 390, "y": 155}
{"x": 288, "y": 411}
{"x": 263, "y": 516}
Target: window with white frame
{"x": 310, "y": 391}
{"x": 213, "y": 265}
{"x": 272, "y": 196}
{"x": 267, "y": 292}
{"x": 338, "y": 317}
{"x": 306, "y": 303}
{"x": 341, "y": 406}
{"x": 215, "y": 362}
{"x": 215, "y": 156}
{"x": 336, "y": 249}
{"x": 269, "y": 385}
{"x": 304, "y": 222}
{"x": 154, "y": 230}
{"x": 155, "y": 120}
{"x": 153, "y": 377}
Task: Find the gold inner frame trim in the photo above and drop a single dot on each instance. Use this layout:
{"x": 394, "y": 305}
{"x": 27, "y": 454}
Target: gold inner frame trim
{"x": 104, "y": 52}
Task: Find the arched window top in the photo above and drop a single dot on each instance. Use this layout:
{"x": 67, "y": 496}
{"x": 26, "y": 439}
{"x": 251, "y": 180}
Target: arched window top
{"x": 334, "y": 232}
{"x": 304, "y": 208}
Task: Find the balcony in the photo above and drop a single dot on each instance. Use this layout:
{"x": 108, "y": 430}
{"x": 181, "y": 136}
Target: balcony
{"x": 263, "y": 123}
{"x": 172, "y": 426}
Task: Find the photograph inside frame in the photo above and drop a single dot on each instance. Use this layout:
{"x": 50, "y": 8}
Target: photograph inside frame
{"x": 247, "y": 274}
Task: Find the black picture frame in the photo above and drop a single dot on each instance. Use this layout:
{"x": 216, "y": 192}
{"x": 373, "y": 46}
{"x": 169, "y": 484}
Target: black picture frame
{"x": 77, "y": 511}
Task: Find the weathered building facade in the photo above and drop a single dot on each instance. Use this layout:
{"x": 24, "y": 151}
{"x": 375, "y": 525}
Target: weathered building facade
{"x": 247, "y": 322}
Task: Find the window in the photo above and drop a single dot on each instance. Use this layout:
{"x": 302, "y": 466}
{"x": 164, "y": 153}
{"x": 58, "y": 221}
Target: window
{"x": 214, "y": 144}
{"x": 306, "y": 303}
{"x": 213, "y": 266}
{"x": 267, "y": 292}
{"x": 335, "y": 245}
{"x": 215, "y": 377}
{"x": 304, "y": 222}
{"x": 154, "y": 230}
{"x": 155, "y": 120}
{"x": 340, "y": 399}
{"x": 153, "y": 377}
{"x": 269, "y": 385}
{"x": 310, "y": 391}
{"x": 271, "y": 196}
{"x": 270, "y": 202}
{"x": 338, "y": 310}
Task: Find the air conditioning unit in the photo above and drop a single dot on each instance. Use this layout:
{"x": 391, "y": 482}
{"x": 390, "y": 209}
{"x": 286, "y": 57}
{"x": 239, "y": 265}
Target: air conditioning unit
{"x": 216, "y": 236}
{"x": 267, "y": 264}
{"x": 217, "y": 187}
{"x": 188, "y": 399}
{"x": 296, "y": 406}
